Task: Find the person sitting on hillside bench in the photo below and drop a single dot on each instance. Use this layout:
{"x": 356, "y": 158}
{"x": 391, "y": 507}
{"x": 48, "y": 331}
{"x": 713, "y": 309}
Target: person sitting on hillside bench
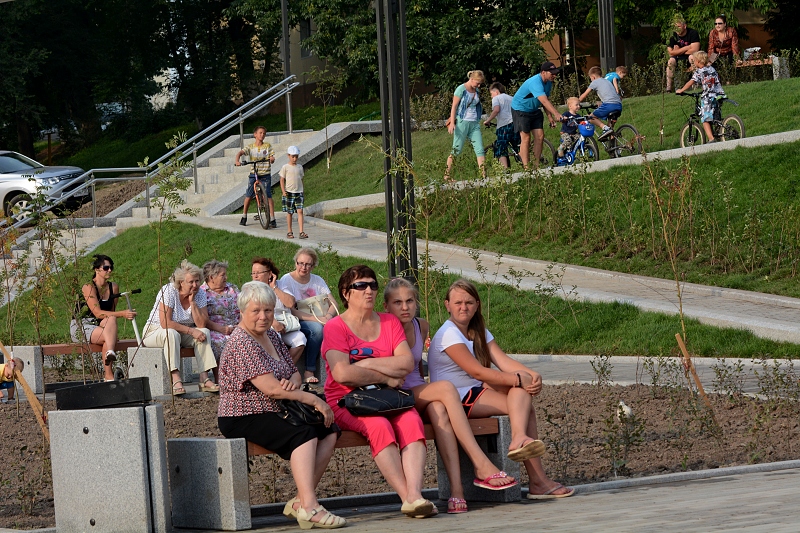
{"x": 179, "y": 307}
{"x": 96, "y": 316}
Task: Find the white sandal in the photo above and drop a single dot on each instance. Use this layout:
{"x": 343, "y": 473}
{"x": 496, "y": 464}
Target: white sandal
{"x": 328, "y": 521}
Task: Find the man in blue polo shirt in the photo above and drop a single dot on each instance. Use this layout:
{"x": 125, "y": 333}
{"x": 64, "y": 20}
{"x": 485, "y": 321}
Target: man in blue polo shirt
{"x": 526, "y": 111}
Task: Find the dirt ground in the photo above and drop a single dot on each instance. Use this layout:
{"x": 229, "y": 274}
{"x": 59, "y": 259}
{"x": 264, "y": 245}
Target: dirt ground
{"x": 668, "y": 431}
{"x": 110, "y": 197}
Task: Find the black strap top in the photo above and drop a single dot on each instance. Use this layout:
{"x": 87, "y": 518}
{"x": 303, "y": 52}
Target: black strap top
{"x": 82, "y": 308}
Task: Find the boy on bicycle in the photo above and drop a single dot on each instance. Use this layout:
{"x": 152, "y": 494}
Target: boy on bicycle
{"x": 569, "y": 131}
{"x": 265, "y": 155}
{"x": 610, "y": 101}
{"x": 501, "y": 108}
{"x": 706, "y": 77}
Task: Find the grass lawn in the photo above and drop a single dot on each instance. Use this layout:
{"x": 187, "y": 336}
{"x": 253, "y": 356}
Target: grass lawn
{"x": 743, "y": 228}
{"x": 522, "y": 321}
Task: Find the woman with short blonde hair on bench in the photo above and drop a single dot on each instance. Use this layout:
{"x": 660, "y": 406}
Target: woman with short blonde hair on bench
{"x": 179, "y": 307}
{"x": 95, "y": 320}
{"x": 256, "y": 372}
{"x": 441, "y": 403}
{"x": 463, "y": 352}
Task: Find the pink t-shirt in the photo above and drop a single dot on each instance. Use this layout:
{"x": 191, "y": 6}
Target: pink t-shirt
{"x": 337, "y": 336}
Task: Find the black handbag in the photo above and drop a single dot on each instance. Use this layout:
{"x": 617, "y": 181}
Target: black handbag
{"x": 377, "y": 400}
{"x": 301, "y": 414}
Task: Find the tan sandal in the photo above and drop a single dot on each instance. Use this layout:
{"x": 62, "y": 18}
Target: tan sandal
{"x": 177, "y": 388}
{"x": 328, "y": 520}
{"x": 208, "y": 388}
{"x": 420, "y": 508}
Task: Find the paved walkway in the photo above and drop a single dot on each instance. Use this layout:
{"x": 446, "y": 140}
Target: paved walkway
{"x": 764, "y": 501}
{"x": 769, "y": 316}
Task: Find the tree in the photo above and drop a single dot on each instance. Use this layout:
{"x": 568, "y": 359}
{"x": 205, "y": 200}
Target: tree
{"x": 782, "y": 25}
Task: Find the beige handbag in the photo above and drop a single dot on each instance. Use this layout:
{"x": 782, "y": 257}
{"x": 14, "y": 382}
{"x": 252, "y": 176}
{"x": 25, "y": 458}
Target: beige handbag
{"x": 317, "y": 306}
{"x": 289, "y": 321}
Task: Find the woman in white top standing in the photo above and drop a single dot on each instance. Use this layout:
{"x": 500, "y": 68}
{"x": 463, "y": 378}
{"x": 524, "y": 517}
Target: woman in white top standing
{"x": 302, "y": 284}
{"x": 501, "y": 108}
{"x": 463, "y": 352}
{"x": 179, "y": 307}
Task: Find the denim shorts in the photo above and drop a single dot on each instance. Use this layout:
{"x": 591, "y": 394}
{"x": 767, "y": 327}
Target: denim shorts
{"x": 251, "y": 193}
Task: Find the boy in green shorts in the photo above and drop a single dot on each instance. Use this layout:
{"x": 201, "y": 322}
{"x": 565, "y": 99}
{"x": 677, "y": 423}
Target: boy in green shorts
{"x": 292, "y": 188}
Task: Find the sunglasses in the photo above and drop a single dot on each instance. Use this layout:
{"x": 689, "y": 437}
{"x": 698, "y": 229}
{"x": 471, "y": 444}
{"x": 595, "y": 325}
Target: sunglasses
{"x": 107, "y": 268}
{"x": 719, "y": 24}
{"x": 362, "y": 285}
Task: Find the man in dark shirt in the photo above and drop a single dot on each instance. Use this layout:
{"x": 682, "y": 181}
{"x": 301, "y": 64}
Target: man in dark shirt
{"x": 683, "y": 43}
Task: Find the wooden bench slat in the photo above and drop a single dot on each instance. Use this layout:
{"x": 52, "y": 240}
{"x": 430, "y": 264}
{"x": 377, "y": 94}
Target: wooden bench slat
{"x": 754, "y": 62}
{"x": 351, "y": 439}
{"x": 76, "y": 347}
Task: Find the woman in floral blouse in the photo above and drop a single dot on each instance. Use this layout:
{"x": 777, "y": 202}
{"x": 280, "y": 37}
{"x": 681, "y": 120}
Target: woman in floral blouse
{"x": 223, "y": 314}
{"x": 255, "y": 373}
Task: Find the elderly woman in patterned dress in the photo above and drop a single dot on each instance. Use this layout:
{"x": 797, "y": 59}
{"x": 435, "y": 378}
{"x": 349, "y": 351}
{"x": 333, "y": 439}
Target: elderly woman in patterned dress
{"x": 255, "y": 373}
{"x": 223, "y": 313}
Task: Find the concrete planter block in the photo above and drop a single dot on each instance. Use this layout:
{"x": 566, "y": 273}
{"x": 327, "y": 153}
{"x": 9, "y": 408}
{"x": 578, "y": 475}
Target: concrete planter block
{"x": 157, "y": 460}
{"x": 208, "y": 483}
{"x": 189, "y": 372}
{"x": 496, "y": 449}
{"x": 149, "y": 363}
{"x": 101, "y": 470}
{"x": 33, "y": 372}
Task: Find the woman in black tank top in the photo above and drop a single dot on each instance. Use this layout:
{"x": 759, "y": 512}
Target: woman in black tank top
{"x": 96, "y": 317}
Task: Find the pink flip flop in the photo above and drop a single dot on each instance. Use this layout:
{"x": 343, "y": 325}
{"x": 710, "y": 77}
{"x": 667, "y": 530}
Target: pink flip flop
{"x": 485, "y": 483}
{"x": 453, "y": 502}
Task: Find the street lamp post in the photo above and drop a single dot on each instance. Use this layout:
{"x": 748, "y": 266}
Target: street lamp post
{"x": 401, "y": 235}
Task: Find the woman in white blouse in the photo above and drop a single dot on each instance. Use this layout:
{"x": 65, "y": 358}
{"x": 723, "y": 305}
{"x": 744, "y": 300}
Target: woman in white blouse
{"x": 491, "y": 383}
{"x": 179, "y": 307}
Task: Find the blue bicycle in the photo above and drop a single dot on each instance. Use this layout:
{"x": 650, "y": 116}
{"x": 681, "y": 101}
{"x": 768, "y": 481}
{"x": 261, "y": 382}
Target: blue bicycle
{"x": 583, "y": 149}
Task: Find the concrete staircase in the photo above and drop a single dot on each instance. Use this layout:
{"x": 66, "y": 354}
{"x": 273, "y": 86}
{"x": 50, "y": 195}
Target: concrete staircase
{"x": 217, "y": 175}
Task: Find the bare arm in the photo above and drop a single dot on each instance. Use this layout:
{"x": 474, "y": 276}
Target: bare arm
{"x": 494, "y": 113}
{"x": 452, "y": 127}
{"x": 512, "y": 366}
{"x": 94, "y": 304}
{"x": 397, "y": 366}
{"x": 461, "y": 355}
{"x": 239, "y": 154}
{"x": 686, "y": 87}
{"x": 288, "y": 389}
{"x": 356, "y": 376}
{"x": 583, "y": 96}
{"x": 551, "y": 110}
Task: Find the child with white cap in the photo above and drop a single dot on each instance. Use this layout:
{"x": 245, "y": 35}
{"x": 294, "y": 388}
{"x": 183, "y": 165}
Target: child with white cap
{"x": 292, "y": 189}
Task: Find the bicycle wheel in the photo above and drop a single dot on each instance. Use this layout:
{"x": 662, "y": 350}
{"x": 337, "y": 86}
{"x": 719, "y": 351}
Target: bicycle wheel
{"x": 591, "y": 152}
{"x": 628, "y": 141}
{"x": 732, "y": 128}
{"x": 548, "y": 157}
{"x": 261, "y": 204}
{"x": 692, "y": 135}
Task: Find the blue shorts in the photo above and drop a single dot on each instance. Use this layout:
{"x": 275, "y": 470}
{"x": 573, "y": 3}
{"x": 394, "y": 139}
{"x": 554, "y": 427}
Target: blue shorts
{"x": 251, "y": 193}
{"x": 6, "y": 385}
{"x": 606, "y": 109}
{"x": 505, "y": 136}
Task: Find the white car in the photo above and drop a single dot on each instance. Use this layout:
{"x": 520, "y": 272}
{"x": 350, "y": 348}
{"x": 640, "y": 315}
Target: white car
{"x": 17, "y": 188}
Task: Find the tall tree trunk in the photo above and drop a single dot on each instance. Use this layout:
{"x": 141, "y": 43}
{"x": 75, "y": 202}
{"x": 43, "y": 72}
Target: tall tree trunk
{"x": 24, "y": 137}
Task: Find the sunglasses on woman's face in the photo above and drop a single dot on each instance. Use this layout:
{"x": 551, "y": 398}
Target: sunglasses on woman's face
{"x": 107, "y": 268}
{"x": 362, "y": 285}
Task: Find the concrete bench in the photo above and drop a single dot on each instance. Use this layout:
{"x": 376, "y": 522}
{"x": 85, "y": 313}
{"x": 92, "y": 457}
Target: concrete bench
{"x": 780, "y": 65}
{"x": 209, "y": 483}
{"x": 494, "y": 436}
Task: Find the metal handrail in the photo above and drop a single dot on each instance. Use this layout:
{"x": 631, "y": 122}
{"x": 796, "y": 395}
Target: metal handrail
{"x": 206, "y": 136}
